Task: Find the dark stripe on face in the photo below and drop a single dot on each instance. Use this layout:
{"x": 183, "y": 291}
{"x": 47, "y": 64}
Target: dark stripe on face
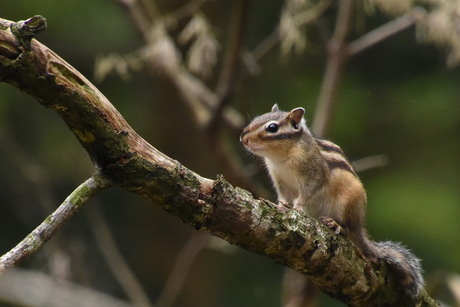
{"x": 282, "y": 136}
{"x": 342, "y": 165}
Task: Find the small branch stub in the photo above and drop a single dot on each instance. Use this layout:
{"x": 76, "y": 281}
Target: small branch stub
{"x": 25, "y": 30}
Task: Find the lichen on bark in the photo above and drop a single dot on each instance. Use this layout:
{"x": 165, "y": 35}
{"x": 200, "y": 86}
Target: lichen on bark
{"x": 215, "y": 206}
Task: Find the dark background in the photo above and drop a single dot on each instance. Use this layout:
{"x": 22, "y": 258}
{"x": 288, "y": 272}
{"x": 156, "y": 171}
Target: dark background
{"x": 398, "y": 98}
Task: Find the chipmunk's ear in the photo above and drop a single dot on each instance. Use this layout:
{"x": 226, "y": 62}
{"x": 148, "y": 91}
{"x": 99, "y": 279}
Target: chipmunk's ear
{"x": 296, "y": 115}
{"x": 275, "y": 108}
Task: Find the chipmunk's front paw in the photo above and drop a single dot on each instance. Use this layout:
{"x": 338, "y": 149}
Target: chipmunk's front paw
{"x": 329, "y": 222}
{"x": 283, "y": 206}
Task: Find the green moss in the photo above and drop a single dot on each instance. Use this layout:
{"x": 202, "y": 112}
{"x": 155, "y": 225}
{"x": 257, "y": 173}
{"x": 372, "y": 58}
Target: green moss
{"x": 84, "y": 136}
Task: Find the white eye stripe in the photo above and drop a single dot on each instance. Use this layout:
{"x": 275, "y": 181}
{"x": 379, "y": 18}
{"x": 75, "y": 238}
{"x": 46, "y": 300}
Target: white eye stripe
{"x": 272, "y": 122}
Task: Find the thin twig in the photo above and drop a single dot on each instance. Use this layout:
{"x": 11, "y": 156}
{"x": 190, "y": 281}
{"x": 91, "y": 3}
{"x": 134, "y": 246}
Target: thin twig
{"x": 370, "y": 162}
{"x": 209, "y": 205}
{"x": 195, "y": 93}
{"x": 181, "y": 268}
{"x": 336, "y": 59}
{"x": 115, "y": 260}
{"x": 231, "y": 61}
{"x": 269, "y": 42}
{"x": 198, "y": 97}
{"x": 266, "y": 45}
{"x": 343, "y": 22}
{"x": 40, "y": 182}
{"x": 314, "y": 12}
{"x": 231, "y": 58}
{"x": 35, "y": 240}
{"x": 141, "y": 22}
{"x": 381, "y": 33}
{"x": 150, "y": 8}
{"x": 201, "y": 101}
{"x": 340, "y": 52}
{"x": 184, "y": 11}
{"x": 224, "y": 152}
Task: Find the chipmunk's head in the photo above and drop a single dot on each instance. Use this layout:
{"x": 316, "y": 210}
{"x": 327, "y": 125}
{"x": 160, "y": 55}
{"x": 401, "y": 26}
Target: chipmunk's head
{"x": 273, "y": 134}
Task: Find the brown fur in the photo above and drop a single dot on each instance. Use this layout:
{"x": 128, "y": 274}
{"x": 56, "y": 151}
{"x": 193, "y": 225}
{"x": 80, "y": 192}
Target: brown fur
{"x": 314, "y": 176}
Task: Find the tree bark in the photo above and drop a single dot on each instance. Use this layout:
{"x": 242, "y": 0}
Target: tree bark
{"x": 123, "y": 157}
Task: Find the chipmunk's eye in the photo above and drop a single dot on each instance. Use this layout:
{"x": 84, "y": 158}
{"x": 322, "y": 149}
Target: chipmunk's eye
{"x": 272, "y": 128}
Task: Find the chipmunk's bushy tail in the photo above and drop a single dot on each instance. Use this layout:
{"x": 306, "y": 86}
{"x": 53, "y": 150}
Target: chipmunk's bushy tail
{"x": 401, "y": 261}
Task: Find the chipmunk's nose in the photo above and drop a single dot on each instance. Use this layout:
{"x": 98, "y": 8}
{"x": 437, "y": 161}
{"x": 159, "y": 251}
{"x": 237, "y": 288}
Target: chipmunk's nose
{"x": 243, "y": 139}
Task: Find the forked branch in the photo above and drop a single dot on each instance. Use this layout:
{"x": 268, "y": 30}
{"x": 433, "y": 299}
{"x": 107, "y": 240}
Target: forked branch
{"x": 214, "y": 206}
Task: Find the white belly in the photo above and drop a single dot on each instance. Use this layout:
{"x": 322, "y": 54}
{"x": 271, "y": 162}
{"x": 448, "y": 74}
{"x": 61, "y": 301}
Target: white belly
{"x": 285, "y": 181}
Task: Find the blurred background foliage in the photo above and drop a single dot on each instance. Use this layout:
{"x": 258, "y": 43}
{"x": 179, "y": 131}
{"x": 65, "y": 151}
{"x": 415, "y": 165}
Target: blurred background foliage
{"x": 398, "y": 99}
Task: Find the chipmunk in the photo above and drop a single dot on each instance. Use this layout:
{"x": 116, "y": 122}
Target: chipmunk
{"x": 315, "y": 177}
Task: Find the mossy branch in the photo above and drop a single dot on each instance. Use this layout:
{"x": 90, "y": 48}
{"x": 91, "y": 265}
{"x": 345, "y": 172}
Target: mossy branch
{"x": 214, "y": 206}
{"x": 40, "y": 235}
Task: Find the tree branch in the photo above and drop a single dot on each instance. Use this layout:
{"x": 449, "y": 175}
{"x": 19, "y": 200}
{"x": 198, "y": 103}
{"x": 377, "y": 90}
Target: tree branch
{"x": 289, "y": 237}
{"x": 337, "y": 57}
{"x": 141, "y": 22}
{"x": 35, "y": 240}
{"x": 184, "y": 261}
{"x": 186, "y": 10}
{"x": 381, "y": 33}
{"x": 114, "y": 258}
{"x": 231, "y": 63}
{"x": 339, "y": 51}
{"x": 198, "y": 97}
